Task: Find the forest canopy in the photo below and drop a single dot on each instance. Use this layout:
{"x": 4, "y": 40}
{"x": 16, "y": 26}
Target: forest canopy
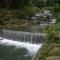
{"x": 23, "y": 3}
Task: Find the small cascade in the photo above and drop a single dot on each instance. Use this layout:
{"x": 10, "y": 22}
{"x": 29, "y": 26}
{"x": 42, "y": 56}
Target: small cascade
{"x": 34, "y": 38}
{"x": 32, "y": 48}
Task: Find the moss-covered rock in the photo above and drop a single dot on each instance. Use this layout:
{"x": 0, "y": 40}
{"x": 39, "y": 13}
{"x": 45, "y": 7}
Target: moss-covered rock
{"x": 53, "y": 58}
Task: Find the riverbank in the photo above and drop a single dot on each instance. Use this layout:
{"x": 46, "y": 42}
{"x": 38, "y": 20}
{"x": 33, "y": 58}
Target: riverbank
{"x": 9, "y": 20}
{"x": 51, "y": 47}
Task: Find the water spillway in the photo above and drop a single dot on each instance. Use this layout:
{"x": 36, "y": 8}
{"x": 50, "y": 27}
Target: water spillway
{"x": 34, "y": 38}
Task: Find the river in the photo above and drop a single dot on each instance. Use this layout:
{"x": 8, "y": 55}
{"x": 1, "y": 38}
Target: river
{"x": 14, "y": 50}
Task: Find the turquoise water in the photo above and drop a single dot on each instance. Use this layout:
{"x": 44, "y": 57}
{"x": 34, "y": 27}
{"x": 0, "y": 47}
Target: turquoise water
{"x": 13, "y": 53}
{"x": 13, "y": 50}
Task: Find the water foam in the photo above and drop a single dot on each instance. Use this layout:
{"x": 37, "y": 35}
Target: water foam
{"x": 32, "y": 48}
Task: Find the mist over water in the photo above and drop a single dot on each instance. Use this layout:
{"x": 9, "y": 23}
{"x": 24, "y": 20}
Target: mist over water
{"x": 30, "y": 48}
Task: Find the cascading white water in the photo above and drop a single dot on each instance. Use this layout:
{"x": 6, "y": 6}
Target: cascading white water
{"x": 34, "y": 38}
{"x": 30, "y": 41}
{"x": 32, "y": 48}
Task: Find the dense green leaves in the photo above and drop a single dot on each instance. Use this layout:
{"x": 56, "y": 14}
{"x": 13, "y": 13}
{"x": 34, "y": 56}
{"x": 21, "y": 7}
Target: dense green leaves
{"x": 51, "y": 46}
{"x": 53, "y": 27}
{"x": 22, "y": 3}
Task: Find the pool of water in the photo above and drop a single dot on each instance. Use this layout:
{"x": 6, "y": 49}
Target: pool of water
{"x": 13, "y": 50}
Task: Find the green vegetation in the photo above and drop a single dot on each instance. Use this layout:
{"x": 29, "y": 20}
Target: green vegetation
{"x": 13, "y": 12}
{"x": 19, "y": 10}
{"x": 16, "y": 15}
{"x": 51, "y": 47}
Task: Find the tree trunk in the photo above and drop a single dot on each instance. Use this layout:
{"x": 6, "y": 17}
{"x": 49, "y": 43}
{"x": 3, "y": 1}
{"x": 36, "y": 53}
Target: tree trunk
{"x": 7, "y": 3}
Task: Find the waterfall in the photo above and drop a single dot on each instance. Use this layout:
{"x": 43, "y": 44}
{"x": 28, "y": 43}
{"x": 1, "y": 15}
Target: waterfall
{"x": 32, "y": 48}
{"x": 32, "y": 42}
{"x": 34, "y": 38}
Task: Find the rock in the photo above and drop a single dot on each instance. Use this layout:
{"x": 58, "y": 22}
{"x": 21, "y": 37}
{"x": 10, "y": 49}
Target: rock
{"x": 53, "y": 58}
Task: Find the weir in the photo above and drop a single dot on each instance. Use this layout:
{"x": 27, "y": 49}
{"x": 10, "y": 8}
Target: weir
{"x": 34, "y": 38}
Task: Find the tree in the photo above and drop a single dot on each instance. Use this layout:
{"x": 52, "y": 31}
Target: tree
{"x": 7, "y": 3}
{"x": 40, "y": 3}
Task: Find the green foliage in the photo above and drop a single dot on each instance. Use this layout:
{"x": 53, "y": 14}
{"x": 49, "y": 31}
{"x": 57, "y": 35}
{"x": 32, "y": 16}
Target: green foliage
{"x": 51, "y": 31}
{"x": 57, "y": 15}
{"x": 53, "y": 27}
{"x": 50, "y": 2}
{"x": 13, "y": 3}
{"x": 40, "y": 3}
{"x": 47, "y": 50}
{"x": 30, "y": 10}
{"x": 55, "y": 51}
{"x": 51, "y": 47}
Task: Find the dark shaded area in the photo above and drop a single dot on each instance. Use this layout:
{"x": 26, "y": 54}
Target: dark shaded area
{"x": 13, "y": 53}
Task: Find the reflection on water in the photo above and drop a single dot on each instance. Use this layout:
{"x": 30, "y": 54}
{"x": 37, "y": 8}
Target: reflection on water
{"x": 13, "y": 50}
